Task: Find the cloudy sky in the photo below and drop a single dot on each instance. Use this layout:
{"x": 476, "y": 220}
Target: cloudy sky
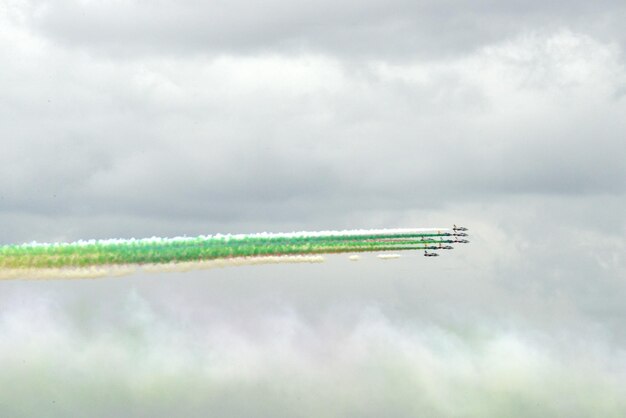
{"x": 131, "y": 119}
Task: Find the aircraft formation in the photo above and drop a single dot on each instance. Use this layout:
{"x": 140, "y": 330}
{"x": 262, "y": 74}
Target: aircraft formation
{"x": 84, "y": 257}
{"x": 458, "y": 232}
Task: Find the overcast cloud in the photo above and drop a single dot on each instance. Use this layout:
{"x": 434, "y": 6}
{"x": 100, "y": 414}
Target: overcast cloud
{"x": 131, "y": 118}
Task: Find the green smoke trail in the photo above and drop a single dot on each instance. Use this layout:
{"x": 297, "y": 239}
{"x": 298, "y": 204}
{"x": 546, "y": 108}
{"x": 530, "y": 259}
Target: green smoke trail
{"x": 155, "y": 251}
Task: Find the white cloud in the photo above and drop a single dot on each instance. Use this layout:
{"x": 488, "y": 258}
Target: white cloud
{"x": 151, "y": 363}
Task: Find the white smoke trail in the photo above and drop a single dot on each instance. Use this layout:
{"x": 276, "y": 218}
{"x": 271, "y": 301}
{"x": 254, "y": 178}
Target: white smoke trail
{"x": 126, "y": 269}
{"x": 388, "y": 256}
{"x": 295, "y": 234}
{"x": 230, "y": 262}
{"x": 67, "y": 273}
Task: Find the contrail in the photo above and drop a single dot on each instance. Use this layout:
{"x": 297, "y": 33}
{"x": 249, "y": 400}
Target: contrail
{"x": 114, "y": 257}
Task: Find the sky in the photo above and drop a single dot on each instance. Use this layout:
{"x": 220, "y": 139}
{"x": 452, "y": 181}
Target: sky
{"x": 167, "y": 118}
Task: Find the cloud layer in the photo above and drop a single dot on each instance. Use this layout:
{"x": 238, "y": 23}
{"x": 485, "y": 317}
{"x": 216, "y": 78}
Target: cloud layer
{"x": 259, "y": 140}
{"x": 146, "y": 353}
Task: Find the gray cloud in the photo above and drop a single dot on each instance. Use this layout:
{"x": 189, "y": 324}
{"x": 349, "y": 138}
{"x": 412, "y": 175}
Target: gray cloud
{"x": 305, "y": 137}
{"x": 372, "y": 28}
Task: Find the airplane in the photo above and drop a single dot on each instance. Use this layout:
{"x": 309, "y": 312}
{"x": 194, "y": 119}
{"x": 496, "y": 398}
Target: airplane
{"x": 445, "y": 247}
{"x": 458, "y": 228}
{"x": 460, "y": 234}
{"x": 462, "y": 241}
{"x": 427, "y": 254}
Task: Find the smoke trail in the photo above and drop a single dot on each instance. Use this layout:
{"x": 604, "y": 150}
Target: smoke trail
{"x": 114, "y": 257}
{"x": 388, "y": 256}
{"x": 231, "y": 262}
{"x": 123, "y": 270}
